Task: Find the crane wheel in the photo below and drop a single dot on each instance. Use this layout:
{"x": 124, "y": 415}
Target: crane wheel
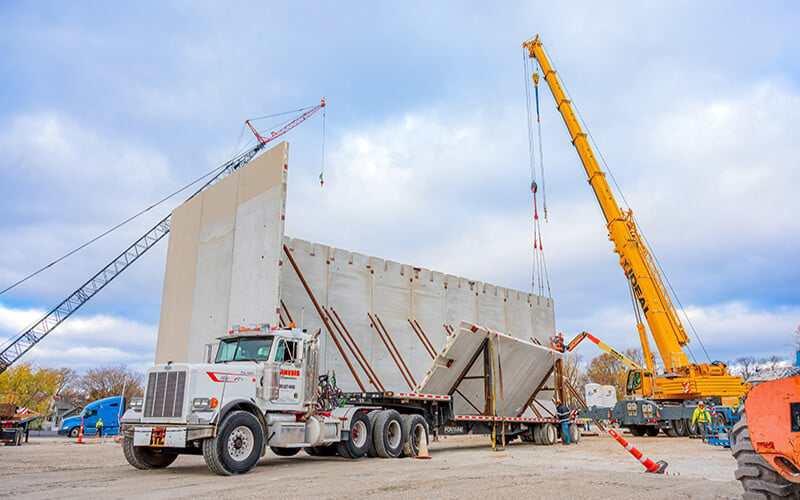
{"x": 758, "y": 478}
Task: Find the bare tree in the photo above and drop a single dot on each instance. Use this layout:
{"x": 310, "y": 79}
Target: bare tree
{"x": 107, "y": 381}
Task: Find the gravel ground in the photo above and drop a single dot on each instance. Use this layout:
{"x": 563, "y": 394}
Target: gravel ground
{"x": 462, "y": 467}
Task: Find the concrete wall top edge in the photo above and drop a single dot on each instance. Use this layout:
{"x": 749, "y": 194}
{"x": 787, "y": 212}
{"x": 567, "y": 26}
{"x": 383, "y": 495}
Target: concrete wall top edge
{"x": 414, "y": 272}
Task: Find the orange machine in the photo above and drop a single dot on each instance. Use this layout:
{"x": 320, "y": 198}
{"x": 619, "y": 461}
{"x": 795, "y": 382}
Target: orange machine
{"x": 766, "y": 441}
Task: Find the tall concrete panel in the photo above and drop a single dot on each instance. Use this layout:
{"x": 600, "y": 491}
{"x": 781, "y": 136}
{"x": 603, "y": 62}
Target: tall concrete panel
{"x": 223, "y": 258}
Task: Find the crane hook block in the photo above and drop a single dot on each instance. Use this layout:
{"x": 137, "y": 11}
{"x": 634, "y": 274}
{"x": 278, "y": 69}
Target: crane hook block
{"x": 536, "y": 78}
{"x": 534, "y": 187}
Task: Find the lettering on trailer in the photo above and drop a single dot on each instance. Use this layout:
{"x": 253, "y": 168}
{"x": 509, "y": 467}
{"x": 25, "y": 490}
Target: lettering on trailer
{"x": 635, "y": 285}
{"x": 230, "y": 378}
{"x": 454, "y": 429}
{"x": 290, "y": 373}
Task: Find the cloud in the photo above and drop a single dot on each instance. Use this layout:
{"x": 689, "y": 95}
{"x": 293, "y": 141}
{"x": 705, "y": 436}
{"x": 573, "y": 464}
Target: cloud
{"x": 83, "y": 342}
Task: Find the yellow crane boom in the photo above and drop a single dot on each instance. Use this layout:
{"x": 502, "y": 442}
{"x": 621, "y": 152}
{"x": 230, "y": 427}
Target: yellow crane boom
{"x": 682, "y": 380}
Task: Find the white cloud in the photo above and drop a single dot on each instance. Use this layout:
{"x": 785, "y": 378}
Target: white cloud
{"x": 83, "y": 342}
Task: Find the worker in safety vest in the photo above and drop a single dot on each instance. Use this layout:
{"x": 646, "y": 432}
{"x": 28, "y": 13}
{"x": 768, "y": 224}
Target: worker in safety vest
{"x": 99, "y": 427}
{"x": 700, "y": 418}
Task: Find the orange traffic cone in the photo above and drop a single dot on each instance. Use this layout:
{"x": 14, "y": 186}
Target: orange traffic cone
{"x": 654, "y": 467}
{"x": 80, "y": 436}
{"x": 423, "y": 445}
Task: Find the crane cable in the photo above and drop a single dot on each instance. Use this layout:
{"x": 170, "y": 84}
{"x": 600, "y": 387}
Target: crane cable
{"x": 540, "y": 281}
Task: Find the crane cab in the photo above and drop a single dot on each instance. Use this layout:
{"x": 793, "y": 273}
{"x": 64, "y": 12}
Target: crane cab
{"x": 639, "y": 384}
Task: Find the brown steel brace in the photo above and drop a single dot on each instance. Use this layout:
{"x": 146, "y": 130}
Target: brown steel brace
{"x": 322, "y": 316}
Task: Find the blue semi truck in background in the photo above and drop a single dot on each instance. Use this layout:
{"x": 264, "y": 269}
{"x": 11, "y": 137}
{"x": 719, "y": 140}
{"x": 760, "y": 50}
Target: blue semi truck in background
{"x": 108, "y": 409}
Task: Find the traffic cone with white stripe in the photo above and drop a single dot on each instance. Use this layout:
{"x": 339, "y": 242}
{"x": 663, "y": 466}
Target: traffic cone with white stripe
{"x": 80, "y": 436}
{"x": 423, "y": 445}
{"x": 654, "y": 467}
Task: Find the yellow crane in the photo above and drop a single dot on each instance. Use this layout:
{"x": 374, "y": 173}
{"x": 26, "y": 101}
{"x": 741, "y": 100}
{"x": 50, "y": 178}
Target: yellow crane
{"x": 681, "y": 380}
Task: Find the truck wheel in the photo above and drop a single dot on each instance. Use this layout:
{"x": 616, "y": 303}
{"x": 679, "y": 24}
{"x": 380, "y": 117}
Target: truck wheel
{"x": 371, "y": 452}
{"x": 637, "y": 430}
{"x": 388, "y": 434}
{"x": 757, "y": 476}
{"x": 679, "y": 426}
{"x": 537, "y": 434}
{"x": 237, "y": 445}
{"x": 528, "y": 436}
{"x": 651, "y": 431}
{"x": 691, "y": 428}
{"x": 574, "y": 433}
{"x": 548, "y": 434}
{"x": 285, "y": 452}
{"x": 357, "y": 442}
{"x": 325, "y": 450}
{"x": 415, "y": 428}
{"x": 73, "y": 433}
{"x": 143, "y": 457}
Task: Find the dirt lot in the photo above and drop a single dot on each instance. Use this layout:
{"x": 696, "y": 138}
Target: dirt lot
{"x": 462, "y": 467}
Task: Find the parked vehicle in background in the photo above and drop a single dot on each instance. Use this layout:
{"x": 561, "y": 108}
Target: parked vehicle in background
{"x": 15, "y": 421}
{"x": 108, "y": 409}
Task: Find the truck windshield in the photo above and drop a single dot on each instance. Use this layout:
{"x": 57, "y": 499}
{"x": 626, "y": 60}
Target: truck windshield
{"x": 244, "y": 349}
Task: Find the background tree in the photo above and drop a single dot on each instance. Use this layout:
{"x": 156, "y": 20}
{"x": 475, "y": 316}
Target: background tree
{"x": 605, "y": 369}
{"x": 574, "y": 375}
{"x": 107, "y": 381}
{"x": 32, "y": 386}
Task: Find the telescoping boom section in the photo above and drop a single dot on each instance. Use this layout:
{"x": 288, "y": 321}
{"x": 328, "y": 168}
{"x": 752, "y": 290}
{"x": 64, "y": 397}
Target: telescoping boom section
{"x": 681, "y": 379}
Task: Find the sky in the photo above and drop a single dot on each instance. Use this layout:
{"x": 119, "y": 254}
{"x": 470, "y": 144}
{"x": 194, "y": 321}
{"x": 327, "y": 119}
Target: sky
{"x": 694, "y": 106}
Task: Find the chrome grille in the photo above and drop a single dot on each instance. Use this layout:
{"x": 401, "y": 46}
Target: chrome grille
{"x": 164, "y": 395}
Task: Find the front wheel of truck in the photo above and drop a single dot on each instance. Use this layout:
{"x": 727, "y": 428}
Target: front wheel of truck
{"x": 237, "y": 446}
{"x": 143, "y": 457}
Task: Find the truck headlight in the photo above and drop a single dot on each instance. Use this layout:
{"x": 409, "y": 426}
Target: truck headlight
{"x": 200, "y": 404}
{"x": 136, "y": 404}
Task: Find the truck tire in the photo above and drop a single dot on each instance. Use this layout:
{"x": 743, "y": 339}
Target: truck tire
{"x": 528, "y": 436}
{"x": 679, "y": 426}
{"x": 285, "y": 452}
{"x": 237, "y": 446}
{"x": 73, "y": 433}
{"x": 651, "y": 431}
{"x": 143, "y": 457}
{"x": 637, "y": 430}
{"x": 415, "y": 428}
{"x": 388, "y": 434}
{"x": 757, "y": 476}
{"x": 371, "y": 452}
{"x": 358, "y": 439}
{"x": 324, "y": 450}
{"x": 691, "y": 428}
{"x": 574, "y": 433}
{"x": 548, "y": 434}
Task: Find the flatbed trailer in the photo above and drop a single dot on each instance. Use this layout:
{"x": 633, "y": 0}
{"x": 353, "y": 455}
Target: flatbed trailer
{"x": 442, "y": 420}
{"x": 14, "y": 430}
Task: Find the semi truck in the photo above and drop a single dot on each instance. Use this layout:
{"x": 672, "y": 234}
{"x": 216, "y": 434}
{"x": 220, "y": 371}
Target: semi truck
{"x": 262, "y": 391}
{"x": 108, "y": 409}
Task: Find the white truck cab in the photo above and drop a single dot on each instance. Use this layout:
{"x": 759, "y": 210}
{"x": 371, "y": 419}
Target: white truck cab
{"x": 261, "y": 390}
